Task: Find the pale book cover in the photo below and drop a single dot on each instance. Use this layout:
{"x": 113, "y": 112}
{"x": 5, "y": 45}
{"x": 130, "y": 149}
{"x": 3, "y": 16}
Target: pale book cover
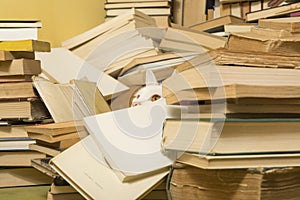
{"x": 94, "y": 179}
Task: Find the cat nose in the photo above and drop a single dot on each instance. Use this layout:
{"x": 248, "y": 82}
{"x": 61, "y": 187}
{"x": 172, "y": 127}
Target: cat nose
{"x": 135, "y": 104}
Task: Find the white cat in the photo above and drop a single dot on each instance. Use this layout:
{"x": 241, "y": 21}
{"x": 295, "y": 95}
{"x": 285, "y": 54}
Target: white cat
{"x": 149, "y": 93}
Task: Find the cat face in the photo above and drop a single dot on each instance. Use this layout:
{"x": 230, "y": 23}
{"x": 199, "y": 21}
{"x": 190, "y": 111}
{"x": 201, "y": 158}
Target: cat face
{"x": 147, "y": 94}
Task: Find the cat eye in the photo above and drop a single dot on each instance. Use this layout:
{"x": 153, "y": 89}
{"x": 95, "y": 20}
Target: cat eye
{"x": 155, "y": 97}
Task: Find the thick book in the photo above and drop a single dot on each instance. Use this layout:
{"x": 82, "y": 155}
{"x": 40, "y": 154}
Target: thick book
{"x": 231, "y": 82}
{"x": 8, "y": 144}
{"x": 44, "y": 149}
{"x": 16, "y": 90}
{"x": 104, "y": 183}
{"x": 53, "y": 139}
{"x": 290, "y": 24}
{"x": 9, "y": 34}
{"x": 236, "y": 184}
{"x": 231, "y": 136}
{"x": 13, "y": 131}
{"x": 32, "y": 110}
{"x": 61, "y": 145}
{"x": 217, "y": 24}
{"x": 19, "y": 158}
{"x": 25, "y": 45}
{"x": 238, "y": 27}
{"x": 273, "y": 12}
{"x": 224, "y": 56}
{"x": 20, "y": 67}
{"x": 15, "y": 78}
{"x": 22, "y": 176}
{"x": 240, "y": 161}
{"x": 55, "y": 129}
{"x": 12, "y": 55}
{"x": 250, "y": 41}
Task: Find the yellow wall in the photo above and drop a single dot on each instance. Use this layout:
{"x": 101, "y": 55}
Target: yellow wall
{"x": 61, "y": 19}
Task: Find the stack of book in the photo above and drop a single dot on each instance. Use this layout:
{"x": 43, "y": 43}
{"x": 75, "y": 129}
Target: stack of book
{"x": 240, "y": 184}
{"x": 19, "y": 103}
{"x": 51, "y": 139}
{"x": 113, "y": 44}
{"x": 160, "y": 10}
{"x": 241, "y": 117}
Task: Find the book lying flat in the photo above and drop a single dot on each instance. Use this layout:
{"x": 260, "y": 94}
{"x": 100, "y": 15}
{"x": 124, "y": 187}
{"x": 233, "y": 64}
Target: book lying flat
{"x": 16, "y": 90}
{"x": 12, "y": 131}
{"x": 15, "y": 143}
{"x": 25, "y": 45}
{"x": 9, "y": 34}
{"x": 52, "y": 139}
{"x": 240, "y": 161}
{"x": 218, "y": 76}
{"x": 62, "y": 144}
{"x": 15, "y": 78}
{"x": 217, "y": 24}
{"x": 234, "y": 91}
{"x": 250, "y": 41}
{"x": 55, "y": 129}
{"x": 26, "y": 109}
{"x": 94, "y": 179}
{"x": 19, "y": 158}
{"x": 44, "y": 149}
{"x": 234, "y": 184}
{"x": 257, "y": 59}
{"x": 273, "y": 12}
{"x": 14, "y": 177}
{"x": 20, "y": 67}
{"x": 290, "y": 24}
{"x": 11, "y": 55}
{"x": 231, "y": 136}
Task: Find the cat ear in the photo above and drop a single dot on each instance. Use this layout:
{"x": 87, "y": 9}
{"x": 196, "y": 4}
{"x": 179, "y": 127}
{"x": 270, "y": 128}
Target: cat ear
{"x": 150, "y": 78}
